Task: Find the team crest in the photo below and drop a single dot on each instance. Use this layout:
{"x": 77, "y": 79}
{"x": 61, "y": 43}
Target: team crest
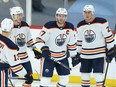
{"x": 60, "y": 39}
{"x": 89, "y": 36}
{"x": 20, "y": 40}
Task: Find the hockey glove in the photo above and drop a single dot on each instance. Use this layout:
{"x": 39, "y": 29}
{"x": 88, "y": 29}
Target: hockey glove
{"x": 110, "y": 55}
{"x": 37, "y": 53}
{"x": 45, "y": 52}
{"x": 29, "y": 78}
{"x": 76, "y": 60}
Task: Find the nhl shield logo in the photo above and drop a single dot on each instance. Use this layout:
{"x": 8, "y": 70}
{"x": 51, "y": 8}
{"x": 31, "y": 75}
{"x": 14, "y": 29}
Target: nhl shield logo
{"x": 20, "y": 40}
{"x": 89, "y": 36}
{"x": 60, "y": 39}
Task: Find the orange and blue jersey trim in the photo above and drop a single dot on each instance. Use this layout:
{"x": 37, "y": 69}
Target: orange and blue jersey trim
{"x": 58, "y": 54}
{"x": 30, "y": 42}
{"x": 93, "y": 51}
{"x": 23, "y": 55}
{"x": 79, "y": 43}
{"x": 16, "y": 68}
{"x": 109, "y": 39}
{"x": 39, "y": 40}
{"x": 72, "y": 47}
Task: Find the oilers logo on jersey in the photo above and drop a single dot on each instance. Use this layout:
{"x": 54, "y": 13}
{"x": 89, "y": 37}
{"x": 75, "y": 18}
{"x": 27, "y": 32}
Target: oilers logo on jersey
{"x": 20, "y": 40}
{"x": 89, "y": 36}
{"x": 60, "y": 39}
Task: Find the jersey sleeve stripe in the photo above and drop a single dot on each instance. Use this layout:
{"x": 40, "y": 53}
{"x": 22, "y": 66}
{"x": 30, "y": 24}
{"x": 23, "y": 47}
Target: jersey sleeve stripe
{"x": 110, "y": 38}
{"x": 72, "y": 47}
{"x": 23, "y": 55}
{"x": 30, "y": 42}
{"x": 79, "y": 43}
{"x": 16, "y": 68}
{"x": 39, "y": 40}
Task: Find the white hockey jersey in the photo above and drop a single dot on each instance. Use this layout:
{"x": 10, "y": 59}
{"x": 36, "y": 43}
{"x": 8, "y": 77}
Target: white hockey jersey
{"x": 58, "y": 39}
{"x": 93, "y": 38}
{"x": 8, "y": 55}
{"x": 22, "y": 37}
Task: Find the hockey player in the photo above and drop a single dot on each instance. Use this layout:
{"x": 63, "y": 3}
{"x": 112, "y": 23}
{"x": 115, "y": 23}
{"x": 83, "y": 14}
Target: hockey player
{"x": 93, "y": 39}
{"x": 55, "y": 38}
{"x": 8, "y": 56}
{"x": 21, "y": 36}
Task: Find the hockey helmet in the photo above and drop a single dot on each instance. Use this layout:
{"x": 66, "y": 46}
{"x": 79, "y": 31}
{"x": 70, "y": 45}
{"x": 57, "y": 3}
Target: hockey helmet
{"x": 62, "y": 11}
{"x": 7, "y": 25}
{"x": 16, "y": 10}
{"x": 89, "y": 8}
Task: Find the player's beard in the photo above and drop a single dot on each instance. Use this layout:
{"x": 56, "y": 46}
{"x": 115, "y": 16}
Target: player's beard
{"x": 18, "y": 21}
{"x": 60, "y": 22}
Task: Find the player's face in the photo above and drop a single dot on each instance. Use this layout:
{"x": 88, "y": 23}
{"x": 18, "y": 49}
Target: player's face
{"x": 88, "y": 15}
{"x": 60, "y": 18}
{"x": 18, "y": 17}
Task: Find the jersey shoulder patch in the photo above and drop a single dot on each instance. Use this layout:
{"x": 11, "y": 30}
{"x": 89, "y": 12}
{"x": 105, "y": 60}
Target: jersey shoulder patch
{"x": 8, "y": 43}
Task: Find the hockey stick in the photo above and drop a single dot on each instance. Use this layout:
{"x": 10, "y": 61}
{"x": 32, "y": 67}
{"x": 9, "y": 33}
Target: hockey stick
{"x": 23, "y": 79}
{"x": 38, "y": 75}
{"x": 61, "y": 64}
{"x": 105, "y": 74}
{"x": 11, "y": 82}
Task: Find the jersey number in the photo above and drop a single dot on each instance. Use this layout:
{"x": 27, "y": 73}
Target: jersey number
{"x": 108, "y": 29}
{"x": 42, "y": 33}
{"x": 16, "y": 57}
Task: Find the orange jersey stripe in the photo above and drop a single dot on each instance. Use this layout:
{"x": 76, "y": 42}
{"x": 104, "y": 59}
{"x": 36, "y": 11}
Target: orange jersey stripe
{"x": 72, "y": 47}
{"x": 39, "y": 40}
{"x": 93, "y": 51}
{"x": 22, "y": 55}
{"x": 79, "y": 43}
{"x": 110, "y": 38}
{"x": 16, "y": 68}
{"x": 30, "y": 42}
{"x": 58, "y": 54}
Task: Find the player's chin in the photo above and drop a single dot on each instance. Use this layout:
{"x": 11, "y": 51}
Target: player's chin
{"x": 19, "y": 21}
{"x": 61, "y": 22}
